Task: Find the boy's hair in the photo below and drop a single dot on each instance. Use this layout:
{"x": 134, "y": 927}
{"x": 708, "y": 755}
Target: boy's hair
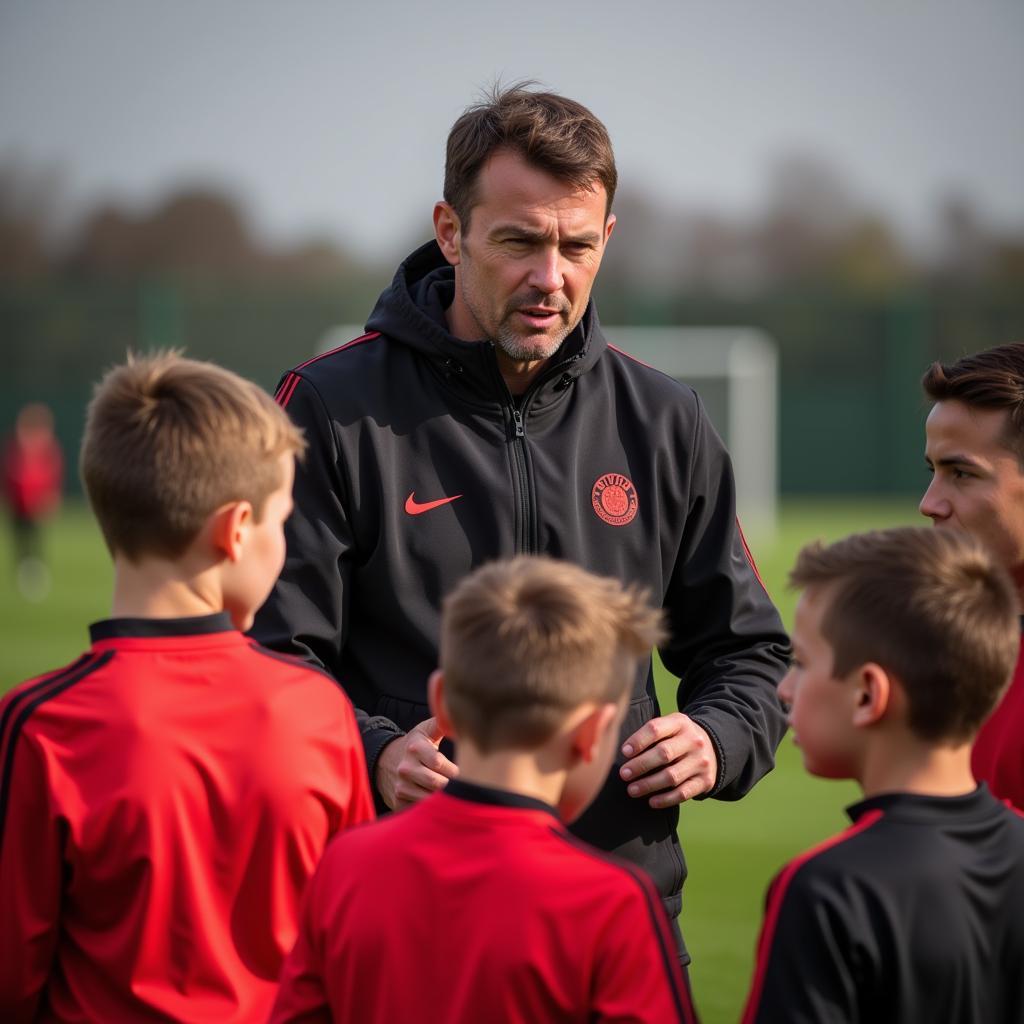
{"x": 993, "y": 379}
{"x": 170, "y": 440}
{"x": 551, "y": 132}
{"x": 930, "y": 606}
{"x": 527, "y": 640}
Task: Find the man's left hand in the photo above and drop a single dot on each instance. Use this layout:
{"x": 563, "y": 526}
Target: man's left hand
{"x": 671, "y": 757}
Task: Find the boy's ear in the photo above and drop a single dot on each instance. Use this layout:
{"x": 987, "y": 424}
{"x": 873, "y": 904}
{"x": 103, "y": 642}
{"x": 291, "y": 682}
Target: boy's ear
{"x": 438, "y": 706}
{"x": 874, "y": 694}
{"x": 589, "y": 731}
{"x": 230, "y": 526}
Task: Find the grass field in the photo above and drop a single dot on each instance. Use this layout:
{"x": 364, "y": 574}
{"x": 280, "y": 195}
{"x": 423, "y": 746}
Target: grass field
{"x": 732, "y": 849}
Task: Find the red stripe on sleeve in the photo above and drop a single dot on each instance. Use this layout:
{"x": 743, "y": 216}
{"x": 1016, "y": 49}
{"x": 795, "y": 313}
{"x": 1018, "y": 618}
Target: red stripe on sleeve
{"x": 362, "y": 339}
{"x": 778, "y": 893}
{"x": 287, "y": 389}
{"x": 750, "y": 557}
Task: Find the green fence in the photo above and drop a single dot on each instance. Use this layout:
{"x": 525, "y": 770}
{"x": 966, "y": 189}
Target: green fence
{"x": 851, "y": 411}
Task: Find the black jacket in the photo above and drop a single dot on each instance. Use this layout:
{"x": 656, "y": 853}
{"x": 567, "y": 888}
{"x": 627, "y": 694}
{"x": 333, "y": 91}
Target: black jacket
{"x": 409, "y": 415}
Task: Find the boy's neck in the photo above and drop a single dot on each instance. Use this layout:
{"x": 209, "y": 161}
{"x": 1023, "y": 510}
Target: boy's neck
{"x": 920, "y": 768}
{"x": 155, "y": 588}
{"x": 516, "y": 771}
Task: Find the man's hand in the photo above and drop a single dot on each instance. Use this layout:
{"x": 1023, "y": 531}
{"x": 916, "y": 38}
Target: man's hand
{"x": 411, "y": 767}
{"x": 671, "y": 757}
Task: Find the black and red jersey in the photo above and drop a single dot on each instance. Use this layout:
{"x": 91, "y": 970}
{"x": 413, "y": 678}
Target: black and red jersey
{"x": 914, "y": 914}
{"x": 163, "y": 802}
{"x": 997, "y": 757}
{"x": 477, "y": 905}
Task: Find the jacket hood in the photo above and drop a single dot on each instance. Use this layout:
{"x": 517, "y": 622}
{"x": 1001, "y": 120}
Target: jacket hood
{"x": 411, "y": 310}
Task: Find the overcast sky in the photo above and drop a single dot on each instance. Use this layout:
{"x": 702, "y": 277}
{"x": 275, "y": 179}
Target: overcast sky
{"x": 331, "y": 116}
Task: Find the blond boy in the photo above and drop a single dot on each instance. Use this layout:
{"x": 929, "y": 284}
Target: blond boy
{"x": 903, "y": 641}
{"x": 477, "y": 904}
{"x": 164, "y": 799}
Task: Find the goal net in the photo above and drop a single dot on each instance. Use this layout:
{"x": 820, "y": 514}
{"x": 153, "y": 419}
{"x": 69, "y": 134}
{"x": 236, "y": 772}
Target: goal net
{"x": 735, "y": 372}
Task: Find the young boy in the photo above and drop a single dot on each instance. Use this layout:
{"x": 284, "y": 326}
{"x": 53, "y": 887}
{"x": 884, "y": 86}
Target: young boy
{"x": 903, "y": 641}
{"x": 477, "y": 904}
{"x": 164, "y": 799}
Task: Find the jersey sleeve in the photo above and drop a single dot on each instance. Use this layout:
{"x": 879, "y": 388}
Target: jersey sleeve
{"x": 727, "y": 643}
{"x": 31, "y": 876}
{"x": 805, "y": 971}
{"x": 307, "y": 612}
{"x": 637, "y": 979}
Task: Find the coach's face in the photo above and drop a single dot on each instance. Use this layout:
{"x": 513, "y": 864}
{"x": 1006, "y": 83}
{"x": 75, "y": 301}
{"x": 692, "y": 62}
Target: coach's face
{"x": 977, "y": 483}
{"x": 526, "y": 262}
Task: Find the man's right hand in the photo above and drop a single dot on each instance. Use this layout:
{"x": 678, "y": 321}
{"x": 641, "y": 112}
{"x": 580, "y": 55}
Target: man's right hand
{"x": 411, "y": 767}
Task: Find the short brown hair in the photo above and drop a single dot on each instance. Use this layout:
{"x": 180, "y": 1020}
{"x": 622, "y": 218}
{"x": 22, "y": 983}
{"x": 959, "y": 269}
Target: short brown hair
{"x": 551, "y": 132}
{"x": 930, "y": 606}
{"x": 993, "y": 379}
{"x": 527, "y": 640}
{"x": 168, "y": 441}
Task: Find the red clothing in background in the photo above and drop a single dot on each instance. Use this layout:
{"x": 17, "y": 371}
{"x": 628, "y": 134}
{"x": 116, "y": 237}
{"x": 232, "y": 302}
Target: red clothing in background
{"x": 33, "y": 471}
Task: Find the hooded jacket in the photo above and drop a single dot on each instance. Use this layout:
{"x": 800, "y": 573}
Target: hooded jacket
{"x": 422, "y": 466}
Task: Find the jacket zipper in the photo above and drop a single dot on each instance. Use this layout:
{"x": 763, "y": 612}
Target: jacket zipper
{"x": 521, "y": 479}
{"x": 522, "y": 483}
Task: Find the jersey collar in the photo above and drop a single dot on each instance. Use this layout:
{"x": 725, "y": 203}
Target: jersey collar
{"x": 474, "y": 793}
{"x": 112, "y": 629}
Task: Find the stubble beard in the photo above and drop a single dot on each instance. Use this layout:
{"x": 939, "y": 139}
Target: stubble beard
{"x": 536, "y": 345}
{"x": 531, "y": 347}
{"x": 515, "y": 344}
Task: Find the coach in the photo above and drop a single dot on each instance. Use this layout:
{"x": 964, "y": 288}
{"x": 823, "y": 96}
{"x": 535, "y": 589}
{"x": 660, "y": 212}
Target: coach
{"x": 484, "y": 414}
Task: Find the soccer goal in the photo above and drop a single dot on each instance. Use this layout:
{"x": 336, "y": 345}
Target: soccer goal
{"x": 735, "y": 371}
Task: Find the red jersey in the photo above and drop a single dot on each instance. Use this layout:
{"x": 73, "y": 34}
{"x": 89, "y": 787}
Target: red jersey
{"x": 478, "y": 905}
{"x": 998, "y": 754}
{"x": 163, "y": 802}
{"x": 32, "y": 473}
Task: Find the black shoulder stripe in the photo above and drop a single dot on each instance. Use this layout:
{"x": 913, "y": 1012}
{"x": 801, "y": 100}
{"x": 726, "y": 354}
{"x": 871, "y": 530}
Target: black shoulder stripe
{"x": 29, "y": 691}
{"x": 669, "y": 957}
{"x": 38, "y": 694}
{"x": 294, "y": 660}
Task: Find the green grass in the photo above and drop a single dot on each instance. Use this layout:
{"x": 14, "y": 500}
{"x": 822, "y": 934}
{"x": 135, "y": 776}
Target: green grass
{"x": 37, "y": 637}
{"x": 732, "y": 849}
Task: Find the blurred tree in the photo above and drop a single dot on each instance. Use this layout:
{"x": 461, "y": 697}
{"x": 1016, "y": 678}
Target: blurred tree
{"x": 28, "y": 197}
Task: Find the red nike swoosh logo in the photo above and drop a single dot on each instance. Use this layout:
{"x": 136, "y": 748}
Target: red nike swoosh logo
{"x": 416, "y": 508}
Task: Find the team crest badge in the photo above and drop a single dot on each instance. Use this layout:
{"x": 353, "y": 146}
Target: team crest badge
{"x": 614, "y": 499}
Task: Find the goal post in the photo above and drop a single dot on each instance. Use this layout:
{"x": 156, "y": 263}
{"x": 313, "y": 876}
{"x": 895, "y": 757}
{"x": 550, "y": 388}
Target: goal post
{"x": 735, "y": 371}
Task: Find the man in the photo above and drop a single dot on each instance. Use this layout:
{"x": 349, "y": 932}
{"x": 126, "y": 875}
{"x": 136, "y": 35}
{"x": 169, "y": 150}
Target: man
{"x": 485, "y": 415}
{"x": 975, "y": 452}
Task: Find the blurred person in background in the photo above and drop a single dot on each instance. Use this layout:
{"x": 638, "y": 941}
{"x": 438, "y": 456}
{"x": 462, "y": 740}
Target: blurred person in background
{"x": 975, "y": 452}
{"x": 33, "y": 471}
